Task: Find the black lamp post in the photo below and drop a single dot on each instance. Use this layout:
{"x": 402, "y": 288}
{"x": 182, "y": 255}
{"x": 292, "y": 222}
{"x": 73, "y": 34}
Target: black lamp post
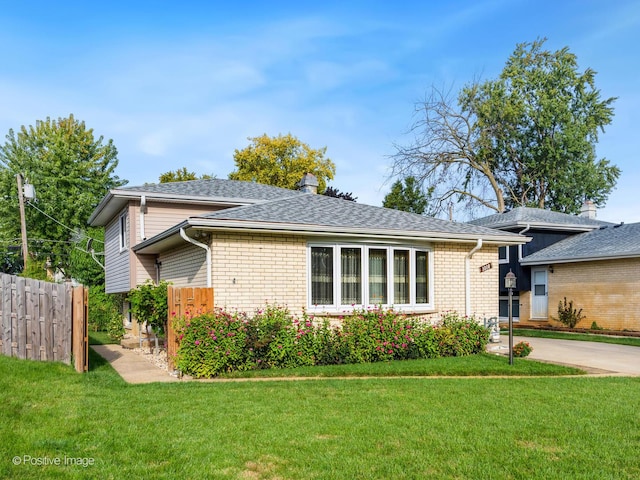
{"x": 510, "y": 284}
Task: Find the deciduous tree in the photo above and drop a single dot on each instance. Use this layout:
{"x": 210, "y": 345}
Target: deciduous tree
{"x": 281, "y": 161}
{"x": 525, "y": 139}
{"x": 71, "y": 171}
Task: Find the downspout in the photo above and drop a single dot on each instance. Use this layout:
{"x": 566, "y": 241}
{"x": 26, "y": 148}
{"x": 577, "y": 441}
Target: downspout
{"x": 467, "y": 277}
{"x": 184, "y": 235}
{"x": 525, "y": 230}
{"x": 143, "y": 209}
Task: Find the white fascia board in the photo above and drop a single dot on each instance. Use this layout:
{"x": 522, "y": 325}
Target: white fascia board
{"x": 548, "y": 226}
{"x": 549, "y": 261}
{"x": 199, "y": 223}
{"x": 323, "y": 230}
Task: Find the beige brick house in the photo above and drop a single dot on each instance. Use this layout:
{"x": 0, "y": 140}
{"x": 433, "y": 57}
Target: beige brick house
{"x": 257, "y": 244}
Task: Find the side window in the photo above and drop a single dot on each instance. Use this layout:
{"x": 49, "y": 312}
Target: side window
{"x": 503, "y": 254}
{"x": 123, "y": 232}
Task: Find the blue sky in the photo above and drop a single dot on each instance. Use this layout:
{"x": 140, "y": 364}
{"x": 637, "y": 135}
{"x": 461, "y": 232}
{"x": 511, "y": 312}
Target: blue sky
{"x": 185, "y": 83}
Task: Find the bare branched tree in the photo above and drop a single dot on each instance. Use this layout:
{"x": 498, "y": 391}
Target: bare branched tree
{"x": 443, "y": 158}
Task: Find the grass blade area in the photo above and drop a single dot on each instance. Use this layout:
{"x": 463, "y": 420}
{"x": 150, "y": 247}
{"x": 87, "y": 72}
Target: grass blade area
{"x": 472, "y": 365}
{"x": 585, "y": 337}
{"x": 101, "y": 338}
{"x": 401, "y": 428}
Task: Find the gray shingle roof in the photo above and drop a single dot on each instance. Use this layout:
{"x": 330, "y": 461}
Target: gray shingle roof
{"x": 617, "y": 241}
{"x": 216, "y": 188}
{"x": 320, "y": 210}
{"x": 523, "y": 216}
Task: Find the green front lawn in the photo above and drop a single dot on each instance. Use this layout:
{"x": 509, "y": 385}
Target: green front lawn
{"x": 402, "y": 428}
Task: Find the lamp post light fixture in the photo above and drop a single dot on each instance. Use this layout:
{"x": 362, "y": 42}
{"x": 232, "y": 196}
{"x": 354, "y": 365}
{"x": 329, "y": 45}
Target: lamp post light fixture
{"x": 510, "y": 284}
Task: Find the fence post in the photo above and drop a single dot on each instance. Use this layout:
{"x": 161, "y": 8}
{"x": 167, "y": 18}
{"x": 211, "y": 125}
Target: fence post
{"x": 80, "y": 345}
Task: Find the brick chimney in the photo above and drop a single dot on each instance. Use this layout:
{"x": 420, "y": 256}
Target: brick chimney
{"x": 588, "y": 209}
{"x": 308, "y": 184}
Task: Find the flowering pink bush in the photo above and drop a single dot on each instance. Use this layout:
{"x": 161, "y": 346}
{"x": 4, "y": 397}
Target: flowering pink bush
{"x": 219, "y": 342}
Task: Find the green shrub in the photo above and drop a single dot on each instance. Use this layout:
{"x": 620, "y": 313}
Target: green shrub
{"x": 103, "y": 308}
{"x": 567, "y": 314}
{"x": 149, "y": 304}
{"x": 377, "y": 334}
{"x": 464, "y": 335}
{"x": 522, "y": 349}
{"x": 115, "y": 328}
{"x": 211, "y": 343}
{"x": 219, "y": 342}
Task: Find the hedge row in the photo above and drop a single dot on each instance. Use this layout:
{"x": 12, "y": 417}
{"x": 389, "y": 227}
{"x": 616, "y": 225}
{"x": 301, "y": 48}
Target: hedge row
{"x": 219, "y": 342}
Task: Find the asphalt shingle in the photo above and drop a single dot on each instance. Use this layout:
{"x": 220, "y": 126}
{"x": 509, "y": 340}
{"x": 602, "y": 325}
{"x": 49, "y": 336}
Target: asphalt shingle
{"x": 216, "y": 188}
{"x": 612, "y": 241}
{"x": 521, "y": 216}
{"x": 320, "y": 210}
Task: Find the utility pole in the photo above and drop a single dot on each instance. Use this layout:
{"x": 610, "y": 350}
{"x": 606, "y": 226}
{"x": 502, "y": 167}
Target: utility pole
{"x": 23, "y": 223}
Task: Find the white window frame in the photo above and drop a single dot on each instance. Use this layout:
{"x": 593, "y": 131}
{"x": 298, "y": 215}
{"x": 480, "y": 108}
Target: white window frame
{"x": 338, "y": 308}
{"x": 122, "y": 231}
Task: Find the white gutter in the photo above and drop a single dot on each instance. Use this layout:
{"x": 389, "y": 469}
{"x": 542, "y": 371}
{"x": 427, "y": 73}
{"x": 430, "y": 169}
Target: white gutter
{"x": 143, "y": 208}
{"x": 467, "y": 277}
{"x": 526, "y": 229}
{"x": 184, "y": 235}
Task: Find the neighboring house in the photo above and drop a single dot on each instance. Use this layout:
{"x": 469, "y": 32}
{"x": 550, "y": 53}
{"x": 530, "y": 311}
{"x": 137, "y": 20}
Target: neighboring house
{"x": 595, "y": 264}
{"x": 256, "y": 244}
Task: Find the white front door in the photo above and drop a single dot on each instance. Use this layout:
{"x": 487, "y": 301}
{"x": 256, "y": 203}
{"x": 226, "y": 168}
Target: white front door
{"x": 538, "y": 293}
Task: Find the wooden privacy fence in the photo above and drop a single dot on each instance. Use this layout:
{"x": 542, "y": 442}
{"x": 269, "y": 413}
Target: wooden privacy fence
{"x": 183, "y": 301}
{"x": 43, "y": 321}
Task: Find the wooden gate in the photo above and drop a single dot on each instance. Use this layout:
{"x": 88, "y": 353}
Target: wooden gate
{"x": 43, "y": 321}
{"x": 184, "y": 301}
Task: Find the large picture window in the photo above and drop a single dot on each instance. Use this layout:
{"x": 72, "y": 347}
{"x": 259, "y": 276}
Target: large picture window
{"x": 342, "y": 276}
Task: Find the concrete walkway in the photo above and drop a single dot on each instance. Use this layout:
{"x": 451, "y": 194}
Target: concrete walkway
{"x": 595, "y": 358}
{"x": 132, "y": 367}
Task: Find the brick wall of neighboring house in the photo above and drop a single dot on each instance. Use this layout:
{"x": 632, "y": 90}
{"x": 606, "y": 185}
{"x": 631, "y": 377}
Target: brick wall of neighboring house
{"x": 608, "y": 292}
{"x": 450, "y": 278}
{"x": 525, "y": 309}
{"x": 184, "y": 266}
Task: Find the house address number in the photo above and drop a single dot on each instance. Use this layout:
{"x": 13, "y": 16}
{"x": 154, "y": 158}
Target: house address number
{"x": 485, "y": 267}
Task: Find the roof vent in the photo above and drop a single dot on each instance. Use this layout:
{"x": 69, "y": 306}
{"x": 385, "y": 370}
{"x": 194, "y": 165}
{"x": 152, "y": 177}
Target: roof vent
{"x": 308, "y": 184}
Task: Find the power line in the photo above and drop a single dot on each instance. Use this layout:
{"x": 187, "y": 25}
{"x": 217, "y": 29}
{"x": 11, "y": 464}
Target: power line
{"x": 62, "y": 224}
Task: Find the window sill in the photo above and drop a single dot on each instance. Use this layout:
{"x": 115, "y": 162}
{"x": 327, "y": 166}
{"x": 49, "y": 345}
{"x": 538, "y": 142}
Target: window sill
{"x": 347, "y": 310}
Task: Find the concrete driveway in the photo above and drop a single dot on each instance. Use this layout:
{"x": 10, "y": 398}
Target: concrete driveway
{"x": 596, "y": 358}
